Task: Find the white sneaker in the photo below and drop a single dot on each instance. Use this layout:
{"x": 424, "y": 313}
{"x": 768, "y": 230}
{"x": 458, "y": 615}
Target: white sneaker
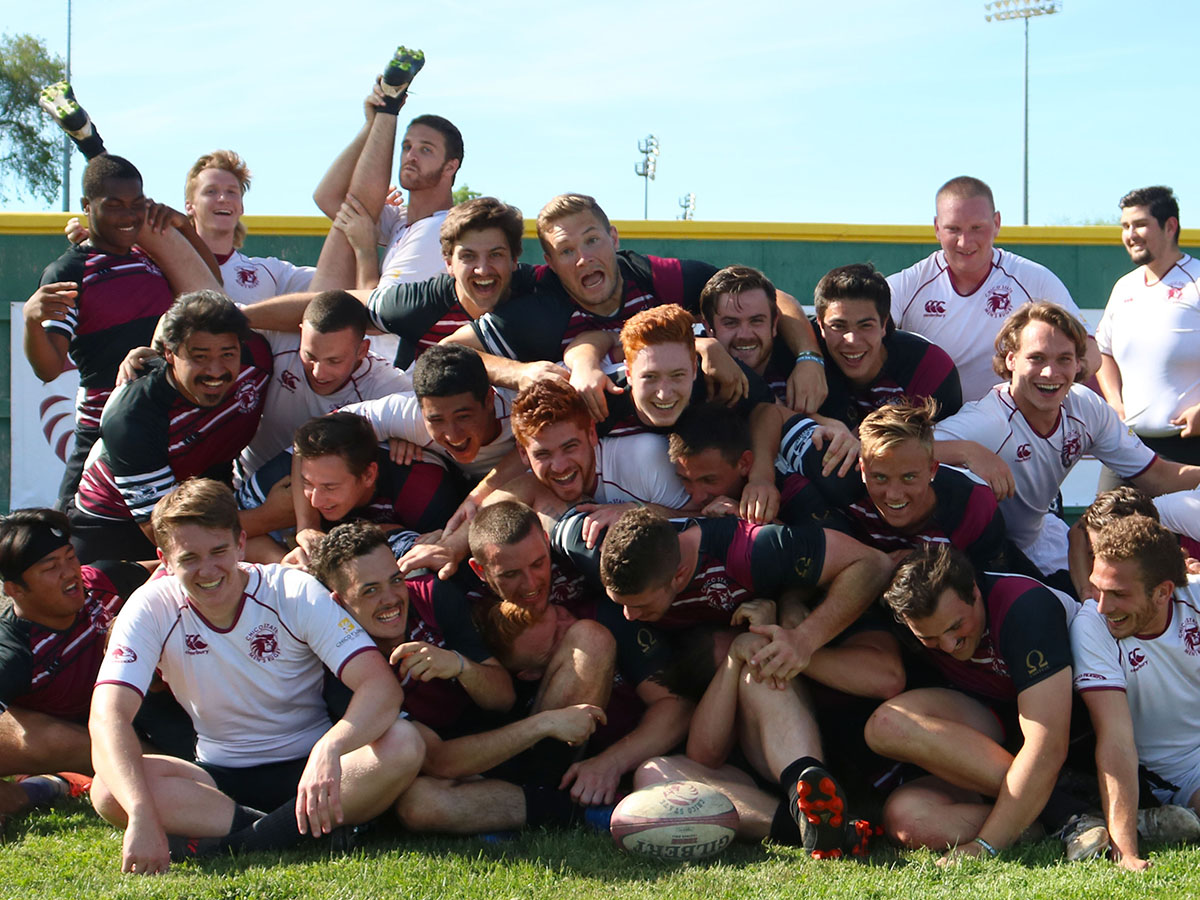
{"x": 1085, "y": 837}
{"x": 1170, "y": 824}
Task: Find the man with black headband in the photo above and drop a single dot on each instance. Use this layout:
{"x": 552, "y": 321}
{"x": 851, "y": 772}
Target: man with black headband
{"x": 51, "y": 643}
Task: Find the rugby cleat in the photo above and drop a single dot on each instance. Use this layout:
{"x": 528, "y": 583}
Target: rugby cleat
{"x": 1169, "y": 824}
{"x": 819, "y": 811}
{"x": 859, "y": 834}
{"x": 58, "y": 100}
{"x": 401, "y": 69}
{"x": 183, "y": 848}
{"x": 1085, "y": 837}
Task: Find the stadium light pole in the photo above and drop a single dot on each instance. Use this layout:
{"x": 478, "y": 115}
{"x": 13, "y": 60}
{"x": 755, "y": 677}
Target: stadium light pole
{"x": 646, "y": 168}
{"x": 66, "y": 141}
{"x": 1003, "y": 11}
{"x": 688, "y": 204}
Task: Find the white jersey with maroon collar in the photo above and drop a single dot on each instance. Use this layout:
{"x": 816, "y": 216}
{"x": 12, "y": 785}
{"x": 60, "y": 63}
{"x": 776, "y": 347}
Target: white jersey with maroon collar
{"x": 252, "y": 690}
{"x": 1152, "y": 332}
{"x": 636, "y": 468}
{"x": 1040, "y": 462}
{"x": 291, "y": 402}
{"x": 926, "y": 301}
{"x": 249, "y": 279}
{"x": 1160, "y": 675}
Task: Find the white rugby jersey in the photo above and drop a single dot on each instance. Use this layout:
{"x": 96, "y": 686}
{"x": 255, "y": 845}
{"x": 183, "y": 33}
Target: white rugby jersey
{"x": 1039, "y": 463}
{"x": 1160, "y": 675}
{"x": 1180, "y": 512}
{"x": 398, "y": 415}
{"x": 253, "y": 690}
{"x": 636, "y": 467}
{"x": 248, "y": 279}
{"x": 925, "y": 300}
{"x": 291, "y": 402}
{"x": 1152, "y": 332}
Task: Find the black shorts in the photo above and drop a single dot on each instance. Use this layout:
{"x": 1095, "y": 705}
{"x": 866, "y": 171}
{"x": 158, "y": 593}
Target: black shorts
{"x": 262, "y": 787}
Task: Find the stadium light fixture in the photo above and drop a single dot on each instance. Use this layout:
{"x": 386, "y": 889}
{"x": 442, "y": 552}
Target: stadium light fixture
{"x": 688, "y": 204}
{"x": 646, "y": 168}
{"x": 1004, "y": 11}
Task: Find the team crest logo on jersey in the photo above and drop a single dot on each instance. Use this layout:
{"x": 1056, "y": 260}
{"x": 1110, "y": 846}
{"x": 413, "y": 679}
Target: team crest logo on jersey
{"x": 101, "y": 618}
{"x": 289, "y": 381}
{"x": 1137, "y": 659}
{"x": 124, "y": 654}
{"x": 246, "y": 397}
{"x": 1024, "y": 452}
{"x": 1174, "y": 292}
{"x": 998, "y": 303}
{"x": 264, "y": 643}
{"x": 196, "y": 645}
{"x": 719, "y": 593}
{"x": 1072, "y": 449}
{"x": 935, "y": 307}
{"x": 1189, "y": 630}
{"x": 247, "y": 278}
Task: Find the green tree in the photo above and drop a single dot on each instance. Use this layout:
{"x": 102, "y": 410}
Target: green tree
{"x": 30, "y": 143}
{"x": 464, "y": 193}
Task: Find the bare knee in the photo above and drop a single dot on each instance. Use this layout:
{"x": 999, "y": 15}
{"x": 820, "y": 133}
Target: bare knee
{"x": 400, "y": 750}
{"x": 656, "y": 770}
{"x": 590, "y": 637}
{"x": 419, "y": 808}
{"x": 886, "y": 730}
{"x": 106, "y": 804}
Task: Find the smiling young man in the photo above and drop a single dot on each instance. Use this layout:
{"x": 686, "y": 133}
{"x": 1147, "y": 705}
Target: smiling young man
{"x": 1149, "y": 369}
{"x": 960, "y": 295}
{"x": 51, "y": 643}
{"x": 873, "y": 362}
{"x": 480, "y": 243}
{"x": 994, "y": 738}
{"x": 244, "y": 647}
{"x": 1135, "y": 648}
{"x": 102, "y": 297}
{"x": 1030, "y": 432}
{"x": 190, "y": 415}
{"x": 323, "y": 368}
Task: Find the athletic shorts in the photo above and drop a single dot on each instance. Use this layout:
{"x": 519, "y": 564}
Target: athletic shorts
{"x": 262, "y": 787}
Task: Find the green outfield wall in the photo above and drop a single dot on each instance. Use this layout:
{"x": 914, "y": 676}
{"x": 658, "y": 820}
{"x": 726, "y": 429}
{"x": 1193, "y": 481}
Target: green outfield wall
{"x": 1087, "y": 259}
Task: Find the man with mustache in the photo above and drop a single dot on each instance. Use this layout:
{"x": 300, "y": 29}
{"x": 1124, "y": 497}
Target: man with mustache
{"x": 191, "y": 415}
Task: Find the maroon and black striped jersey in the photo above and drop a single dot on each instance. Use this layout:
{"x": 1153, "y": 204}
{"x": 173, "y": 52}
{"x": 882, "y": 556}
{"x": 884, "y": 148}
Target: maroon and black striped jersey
{"x": 120, "y": 299}
{"x": 541, "y": 325}
{"x": 53, "y": 672}
{"x": 152, "y": 437}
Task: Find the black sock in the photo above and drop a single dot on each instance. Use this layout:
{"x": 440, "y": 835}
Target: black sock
{"x": 1059, "y": 808}
{"x": 244, "y": 817}
{"x": 275, "y": 831}
{"x": 90, "y": 146}
{"x": 546, "y": 805}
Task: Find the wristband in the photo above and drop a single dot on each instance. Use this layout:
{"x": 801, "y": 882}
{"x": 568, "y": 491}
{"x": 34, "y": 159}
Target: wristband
{"x": 462, "y": 667}
{"x": 809, "y": 356}
{"x": 991, "y": 851}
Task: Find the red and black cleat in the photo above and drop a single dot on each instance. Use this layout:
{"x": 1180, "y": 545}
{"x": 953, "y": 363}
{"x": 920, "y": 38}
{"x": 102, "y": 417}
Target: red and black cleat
{"x": 859, "y": 834}
{"x": 820, "y": 808}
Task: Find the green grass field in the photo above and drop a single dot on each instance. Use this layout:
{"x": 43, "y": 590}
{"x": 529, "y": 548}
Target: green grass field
{"x": 69, "y": 853}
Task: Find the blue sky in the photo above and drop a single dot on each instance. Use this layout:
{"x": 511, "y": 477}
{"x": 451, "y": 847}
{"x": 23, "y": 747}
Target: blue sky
{"x": 769, "y": 111}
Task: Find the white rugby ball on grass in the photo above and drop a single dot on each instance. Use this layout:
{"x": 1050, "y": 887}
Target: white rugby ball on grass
{"x": 675, "y": 820}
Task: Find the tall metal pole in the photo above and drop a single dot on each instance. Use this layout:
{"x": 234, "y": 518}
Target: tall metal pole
{"x": 1003, "y": 11}
{"x": 646, "y": 168}
{"x": 66, "y": 141}
{"x": 1026, "y": 193}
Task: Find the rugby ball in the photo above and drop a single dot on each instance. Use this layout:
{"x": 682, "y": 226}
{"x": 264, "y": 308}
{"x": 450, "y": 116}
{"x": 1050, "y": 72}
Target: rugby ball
{"x": 675, "y": 820}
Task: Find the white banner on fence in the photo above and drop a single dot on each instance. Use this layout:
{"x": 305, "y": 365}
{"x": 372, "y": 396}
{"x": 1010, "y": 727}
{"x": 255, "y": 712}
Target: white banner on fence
{"x": 43, "y": 425}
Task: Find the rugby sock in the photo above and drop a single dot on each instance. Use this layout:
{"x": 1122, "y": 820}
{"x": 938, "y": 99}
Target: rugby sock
{"x": 401, "y": 69}
{"x": 546, "y": 805}
{"x": 784, "y": 829}
{"x": 42, "y": 790}
{"x": 275, "y": 831}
